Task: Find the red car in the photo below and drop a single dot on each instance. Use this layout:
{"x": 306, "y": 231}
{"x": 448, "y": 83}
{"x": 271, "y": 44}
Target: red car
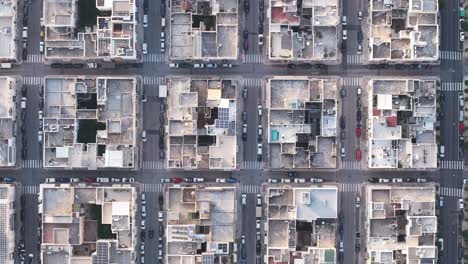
{"x": 177, "y": 180}
{"x": 461, "y": 127}
{"x": 358, "y": 154}
{"x": 87, "y": 179}
{"x": 358, "y": 132}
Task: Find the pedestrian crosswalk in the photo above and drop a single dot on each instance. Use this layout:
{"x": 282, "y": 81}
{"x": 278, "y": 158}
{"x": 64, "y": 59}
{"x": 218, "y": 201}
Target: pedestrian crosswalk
{"x": 453, "y": 192}
{"x": 30, "y": 189}
{"x": 351, "y": 81}
{"x": 153, "y": 80}
{"x": 252, "y": 58}
{"x": 350, "y": 165}
{"x": 155, "y": 58}
{"x": 349, "y": 187}
{"x": 154, "y": 165}
{"x": 35, "y": 58}
{"x": 250, "y": 188}
{"x": 251, "y": 165}
{"x": 151, "y": 187}
{"x": 451, "y": 164}
{"x": 31, "y": 164}
{"x": 452, "y": 87}
{"x": 451, "y": 55}
{"x": 32, "y": 80}
{"x": 354, "y": 59}
{"x": 252, "y": 81}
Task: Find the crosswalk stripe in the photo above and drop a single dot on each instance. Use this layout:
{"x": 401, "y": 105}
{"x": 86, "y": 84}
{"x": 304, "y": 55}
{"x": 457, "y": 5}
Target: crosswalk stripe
{"x": 252, "y": 58}
{"x": 351, "y": 81}
{"x": 350, "y": 165}
{"x": 348, "y": 187}
{"x": 453, "y": 192}
{"x": 452, "y": 164}
{"x": 452, "y": 87}
{"x": 155, "y": 57}
{"x": 251, "y": 165}
{"x": 252, "y": 82}
{"x": 153, "y": 80}
{"x": 35, "y": 58}
{"x": 354, "y": 59}
{"x": 30, "y": 189}
{"x": 451, "y": 55}
{"x": 250, "y": 188}
{"x": 154, "y": 165}
{"x": 32, "y": 80}
{"x": 31, "y": 164}
{"x": 151, "y": 187}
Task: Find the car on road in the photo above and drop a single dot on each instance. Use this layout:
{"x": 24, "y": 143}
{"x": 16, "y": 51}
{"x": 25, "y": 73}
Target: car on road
{"x": 285, "y": 180}
{"x": 143, "y": 211}
{"x": 129, "y": 180}
{"x": 243, "y": 239}
{"x": 245, "y": 93}
{"x": 343, "y": 152}
{"x": 226, "y": 65}
{"x": 50, "y": 180}
{"x": 397, "y": 180}
{"x": 160, "y": 216}
{"x": 359, "y": 90}
{"x": 358, "y": 201}
{"x": 246, "y": 45}
{"x": 360, "y": 15}
{"x": 316, "y": 180}
{"x": 244, "y": 116}
{"x": 292, "y": 174}
{"x": 383, "y": 180}
{"x": 188, "y": 179}
{"x": 359, "y": 48}
{"x": 244, "y": 199}
{"x": 198, "y": 179}
{"x": 142, "y": 225}
{"x": 272, "y": 181}
{"x": 212, "y": 65}
{"x": 461, "y": 204}
{"x": 359, "y": 115}
{"x": 259, "y": 152}
{"x": 462, "y": 36}
{"x": 173, "y": 65}
{"x": 299, "y": 180}
{"x": 220, "y": 180}
{"x": 259, "y": 200}
{"x": 260, "y": 39}
{"x": 74, "y": 180}
{"x": 144, "y": 48}
{"x": 441, "y": 201}
{"x": 244, "y": 132}
{"x": 260, "y": 132}
{"x": 344, "y": 21}
{"x": 143, "y": 198}
{"x": 260, "y": 110}
{"x": 143, "y": 136}
{"x": 231, "y": 180}
{"x": 198, "y": 65}
{"x": 115, "y": 180}
{"x": 257, "y": 224}
{"x": 342, "y": 122}
{"x": 345, "y": 34}
{"x": 343, "y": 92}
{"x": 88, "y": 179}
{"x": 358, "y": 132}
{"x": 260, "y": 28}
{"x": 246, "y": 6}
{"x": 176, "y": 180}
{"x": 246, "y": 34}
{"x": 23, "y": 103}
{"x": 165, "y": 180}
{"x": 421, "y": 180}
{"x": 358, "y": 154}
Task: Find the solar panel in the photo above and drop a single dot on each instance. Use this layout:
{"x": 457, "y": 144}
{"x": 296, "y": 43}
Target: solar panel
{"x": 101, "y": 254}
{"x": 223, "y": 118}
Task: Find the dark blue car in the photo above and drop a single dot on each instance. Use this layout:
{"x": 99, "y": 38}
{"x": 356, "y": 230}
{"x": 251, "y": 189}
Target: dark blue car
{"x": 9, "y": 179}
{"x": 231, "y": 180}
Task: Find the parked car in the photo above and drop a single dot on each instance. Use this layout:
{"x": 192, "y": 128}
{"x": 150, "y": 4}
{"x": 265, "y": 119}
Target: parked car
{"x": 198, "y": 180}
{"x": 244, "y": 132}
{"x": 259, "y": 200}
{"x": 176, "y": 180}
{"x": 299, "y": 180}
{"x": 260, "y": 110}
{"x": 286, "y": 180}
{"x": 244, "y": 199}
{"x": 187, "y": 179}
{"x": 358, "y": 201}
{"x": 260, "y": 132}
{"x": 461, "y": 204}
{"x": 383, "y": 180}
{"x": 421, "y": 180}
{"x": 160, "y": 216}
{"x": 272, "y": 181}
{"x": 260, "y": 39}
{"x": 358, "y": 132}
{"x": 358, "y": 154}
{"x": 396, "y": 180}
{"x": 316, "y": 180}
{"x": 231, "y": 180}
{"x": 165, "y": 180}
{"x": 220, "y": 180}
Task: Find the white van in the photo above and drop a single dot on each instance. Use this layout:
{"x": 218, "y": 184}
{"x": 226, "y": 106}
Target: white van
{"x": 145, "y": 21}
{"x": 163, "y": 22}
{"x": 442, "y": 151}
{"x": 461, "y": 116}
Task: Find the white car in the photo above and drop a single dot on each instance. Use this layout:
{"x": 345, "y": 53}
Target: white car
{"x": 160, "y": 216}
{"x": 359, "y": 49}
{"x": 243, "y": 239}
{"x": 358, "y": 201}
{"x": 221, "y": 180}
{"x": 461, "y": 204}
{"x": 316, "y": 180}
{"x": 125, "y": 180}
{"x": 260, "y": 110}
{"x": 441, "y": 201}
{"x": 142, "y": 226}
{"x": 173, "y": 65}
{"x": 382, "y": 180}
{"x": 260, "y": 39}
{"x": 198, "y": 180}
{"x": 50, "y": 180}
{"x": 41, "y": 47}
{"x": 286, "y": 180}
{"x": 259, "y": 200}
{"x": 142, "y": 248}
{"x": 143, "y": 211}
{"x": 39, "y": 137}
{"x": 74, "y": 180}
{"x": 421, "y": 180}
{"x": 115, "y": 180}
{"x": 397, "y": 180}
{"x": 465, "y": 181}
{"x": 257, "y": 224}
{"x": 143, "y": 136}
{"x": 462, "y": 36}
{"x": 143, "y": 198}
{"x": 299, "y": 180}
{"x": 145, "y": 48}
{"x": 244, "y": 199}
{"x": 102, "y": 179}
{"x": 165, "y": 180}
{"x": 345, "y": 34}
{"x": 273, "y": 181}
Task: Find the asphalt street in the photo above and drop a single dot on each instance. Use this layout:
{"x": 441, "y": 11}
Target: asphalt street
{"x": 251, "y": 174}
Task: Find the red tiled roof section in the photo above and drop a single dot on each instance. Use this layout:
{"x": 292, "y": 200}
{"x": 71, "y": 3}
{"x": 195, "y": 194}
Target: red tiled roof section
{"x": 391, "y": 121}
{"x": 279, "y": 17}
{"x": 376, "y": 112}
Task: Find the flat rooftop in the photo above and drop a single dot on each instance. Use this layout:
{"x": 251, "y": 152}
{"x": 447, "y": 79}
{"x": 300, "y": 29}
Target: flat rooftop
{"x": 74, "y": 31}
{"x": 90, "y": 122}
{"x": 83, "y": 224}
{"x": 302, "y": 224}
{"x": 204, "y": 30}
{"x": 7, "y": 225}
{"x": 8, "y": 99}
{"x": 8, "y": 18}
{"x": 303, "y": 30}
{"x": 201, "y": 116}
{"x": 199, "y": 216}
{"x": 404, "y": 31}
{"x": 402, "y": 120}
{"x": 302, "y": 119}
{"x": 402, "y": 223}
